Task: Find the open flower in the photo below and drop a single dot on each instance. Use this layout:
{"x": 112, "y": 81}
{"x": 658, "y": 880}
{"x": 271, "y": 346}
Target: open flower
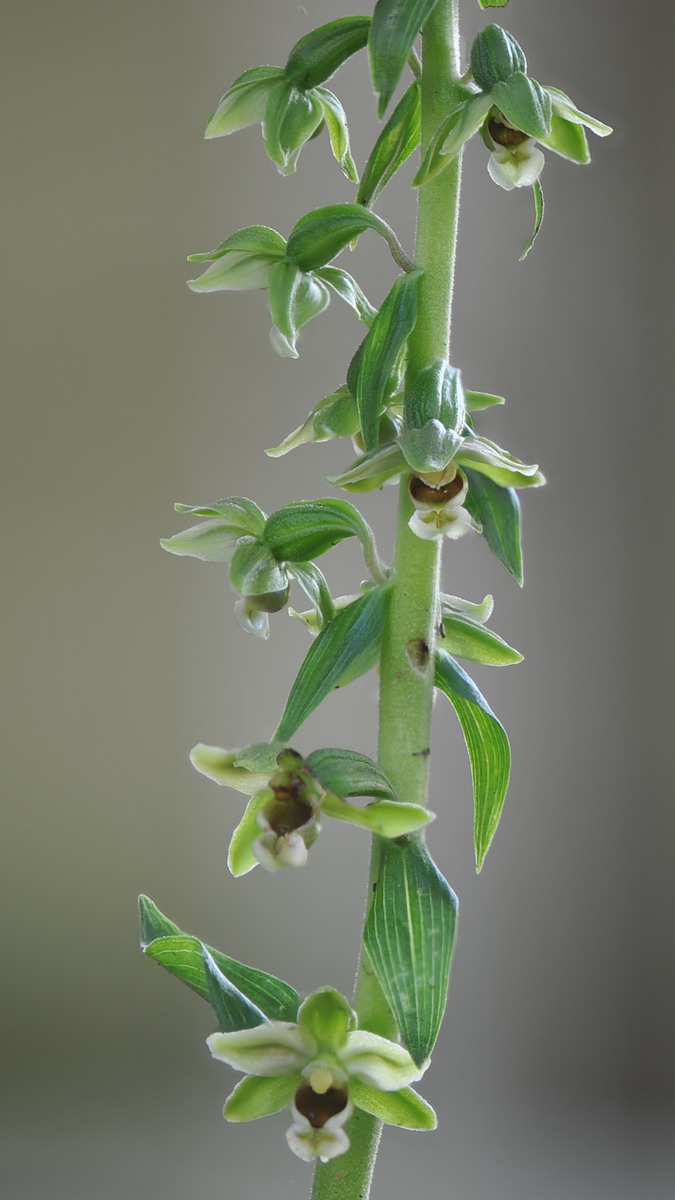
{"x": 515, "y": 161}
{"x": 322, "y": 1067}
{"x": 438, "y": 498}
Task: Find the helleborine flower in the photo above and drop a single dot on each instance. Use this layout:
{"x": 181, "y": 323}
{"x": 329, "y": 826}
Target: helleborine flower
{"x": 516, "y": 166}
{"x": 323, "y": 1067}
{"x": 438, "y": 498}
{"x": 290, "y": 796}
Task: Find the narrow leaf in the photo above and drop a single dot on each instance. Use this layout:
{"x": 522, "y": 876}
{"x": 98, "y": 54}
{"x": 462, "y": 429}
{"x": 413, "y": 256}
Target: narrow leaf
{"x": 294, "y": 299}
{"x": 475, "y": 401}
{"x": 317, "y": 55}
{"x": 240, "y": 856}
{"x": 314, "y": 585}
{"x": 371, "y": 470}
{"x": 454, "y": 130}
{"x": 538, "y": 217}
{"x": 233, "y": 1011}
{"x": 399, "y": 138}
{"x": 409, "y": 937}
{"x": 404, "y": 1108}
{"x": 380, "y": 350}
{"x": 488, "y": 747}
{"x": 568, "y": 109}
{"x": 497, "y": 510}
{"x": 321, "y": 234}
{"x": 338, "y": 132}
{"x": 343, "y": 643}
{"x": 394, "y": 30}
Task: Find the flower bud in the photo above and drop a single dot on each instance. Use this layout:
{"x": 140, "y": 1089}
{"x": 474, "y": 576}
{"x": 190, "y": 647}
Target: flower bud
{"x": 495, "y": 57}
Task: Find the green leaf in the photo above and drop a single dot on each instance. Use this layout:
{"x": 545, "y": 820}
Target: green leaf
{"x": 348, "y": 290}
{"x": 338, "y": 132}
{"x": 497, "y": 509}
{"x": 294, "y": 298}
{"x": 381, "y": 348}
{"x": 469, "y": 639}
{"x": 236, "y": 510}
{"x": 340, "y": 647}
{"x": 211, "y": 541}
{"x": 317, "y": 55}
{"x": 232, "y": 1009}
{"x": 371, "y": 470}
{"x": 314, "y": 585}
{"x": 409, "y": 937}
{"x": 256, "y": 1096}
{"x": 568, "y": 109}
{"x": 538, "y": 217}
{"x": 348, "y": 773}
{"x": 181, "y": 955}
{"x": 254, "y": 571}
{"x": 475, "y": 401}
{"x": 244, "y": 103}
{"x": 495, "y": 57}
{"x": 321, "y": 234}
{"x": 393, "y": 32}
{"x": 306, "y": 529}
{"x": 404, "y": 1108}
{"x": 254, "y": 239}
{"x": 397, "y": 141}
{"x": 454, "y": 130}
{"x": 525, "y": 103}
{"x": 493, "y": 3}
{"x": 387, "y": 818}
{"x": 488, "y": 747}
{"x": 567, "y": 138}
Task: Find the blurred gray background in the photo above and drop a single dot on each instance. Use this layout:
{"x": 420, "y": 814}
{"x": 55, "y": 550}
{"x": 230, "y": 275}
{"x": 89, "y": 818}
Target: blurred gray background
{"x": 125, "y": 392}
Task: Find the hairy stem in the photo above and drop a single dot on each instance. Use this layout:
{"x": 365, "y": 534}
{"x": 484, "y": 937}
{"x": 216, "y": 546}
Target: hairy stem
{"x": 406, "y": 687}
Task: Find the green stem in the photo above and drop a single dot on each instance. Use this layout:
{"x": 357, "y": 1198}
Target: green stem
{"x": 406, "y": 685}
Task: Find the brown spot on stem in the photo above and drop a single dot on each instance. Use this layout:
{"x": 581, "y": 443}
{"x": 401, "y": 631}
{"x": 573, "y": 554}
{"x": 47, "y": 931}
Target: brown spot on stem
{"x": 418, "y": 654}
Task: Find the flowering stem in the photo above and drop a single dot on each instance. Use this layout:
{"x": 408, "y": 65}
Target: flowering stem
{"x": 407, "y": 673}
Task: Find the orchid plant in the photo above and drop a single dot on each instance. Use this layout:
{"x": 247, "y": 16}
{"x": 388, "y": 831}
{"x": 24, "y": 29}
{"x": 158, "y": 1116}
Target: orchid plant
{"x": 345, "y": 1067}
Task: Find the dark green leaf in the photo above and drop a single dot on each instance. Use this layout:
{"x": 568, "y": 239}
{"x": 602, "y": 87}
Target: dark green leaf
{"x": 409, "y": 937}
{"x": 488, "y": 747}
{"x": 181, "y": 955}
{"x": 342, "y": 646}
{"x": 232, "y": 1009}
{"x": 397, "y": 141}
{"x": 497, "y": 509}
{"x": 393, "y": 32}
{"x": 380, "y": 350}
{"x": 320, "y": 235}
{"x": 348, "y": 773}
{"x": 538, "y": 217}
{"x": 317, "y": 55}
{"x": 306, "y": 529}
{"x": 525, "y": 103}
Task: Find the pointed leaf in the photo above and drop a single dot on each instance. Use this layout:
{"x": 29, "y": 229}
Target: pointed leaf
{"x": 493, "y": 3}
{"x": 475, "y": 401}
{"x": 404, "y": 1108}
{"x": 254, "y": 239}
{"x": 260, "y": 757}
{"x": 340, "y": 647}
{"x": 256, "y": 1096}
{"x": 321, "y": 234}
{"x": 538, "y": 217}
{"x": 409, "y": 937}
{"x": 454, "y": 130}
{"x": 317, "y": 55}
{"x": 497, "y": 510}
{"x": 453, "y": 606}
{"x": 397, "y": 141}
{"x": 394, "y": 30}
{"x": 233, "y": 1011}
{"x": 349, "y": 291}
{"x": 498, "y": 464}
{"x": 244, "y": 103}
{"x": 387, "y": 818}
{"x": 314, "y": 585}
{"x": 236, "y": 510}
{"x": 306, "y": 529}
{"x": 338, "y": 132}
{"x": 381, "y": 348}
{"x": 234, "y": 272}
{"x": 181, "y": 955}
{"x": 294, "y": 299}
{"x": 488, "y": 747}
{"x": 348, "y": 773}
{"x": 525, "y": 103}
{"x": 291, "y": 117}
{"x": 371, "y": 470}
{"x": 469, "y": 639}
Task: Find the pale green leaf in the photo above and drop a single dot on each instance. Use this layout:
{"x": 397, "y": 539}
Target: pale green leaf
{"x": 393, "y": 33}
{"x": 380, "y": 350}
{"x": 317, "y": 55}
{"x": 399, "y": 138}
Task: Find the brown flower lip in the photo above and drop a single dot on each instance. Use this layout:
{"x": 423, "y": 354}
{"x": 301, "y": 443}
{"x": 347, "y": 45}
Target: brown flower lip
{"x": 424, "y": 494}
{"x": 504, "y": 135}
{"x": 320, "y": 1108}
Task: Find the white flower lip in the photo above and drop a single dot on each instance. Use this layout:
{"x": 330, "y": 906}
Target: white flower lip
{"x": 517, "y": 166}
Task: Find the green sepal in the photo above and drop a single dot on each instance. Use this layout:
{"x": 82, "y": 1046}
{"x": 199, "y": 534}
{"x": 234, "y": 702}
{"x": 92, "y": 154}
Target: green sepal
{"x": 257, "y": 1096}
{"x": 233, "y": 1011}
{"x": 314, "y": 585}
{"x": 409, "y": 938}
{"x": 393, "y": 32}
{"x": 244, "y": 102}
{"x": 488, "y": 747}
{"x": 399, "y": 138}
{"x": 227, "y": 768}
{"x": 182, "y": 956}
{"x": 525, "y": 103}
{"x": 380, "y": 351}
{"x": 253, "y": 239}
{"x": 430, "y": 448}
{"x": 469, "y": 639}
{"x": 342, "y": 646}
{"x": 291, "y": 118}
{"x": 404, "y": 1108}
{"x": 260, "y": 757}
{"x": 210, "y": 541}
{"x": 372, "y": 470}
{"x": 306, "y": 529}
{"x": 236, "y": 510}
{"x": 455, "y": 606}
{"x": 568, "y": 139}
{"x": 317, "y": 55}
{"x": 320, "y": 235}
{"x": 454, "y": 130}
{"x": 475, "y": 401}
{"x": 240, "y": 856}
{"x": 497, "y": 510}
{"x": 254, "y": 571}
{"x": 327, "y": 1017}
{"x": 234, "y": 272}
{"x": 567, "y": 109}
{"x": 349, "y": 773}
{"x": 334, "y": 416}
{"x": 434, "y": 417}
{"x": 499, "y": 465}
{"x": 348, "y": 290}
{"x": 538, "y": 217}
{"x": 338, "y": 132}
{"x": 294, "y": 299}
{"x": 495, "y": 57}
{"x": 386, "y": 818}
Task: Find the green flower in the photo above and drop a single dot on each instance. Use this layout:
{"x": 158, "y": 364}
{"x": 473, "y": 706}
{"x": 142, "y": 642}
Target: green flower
{"x": 324, "y": 1068}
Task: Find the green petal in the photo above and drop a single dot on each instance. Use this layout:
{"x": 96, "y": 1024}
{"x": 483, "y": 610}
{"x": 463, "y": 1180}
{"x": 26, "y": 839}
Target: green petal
{"x": 327, "y": 1017}
{"x": 568, "y": 109}
{"x": 388, "y": 818}
{"x": 218, "y": 765}
{"x": 375, "y": 1060}
{"x": 256, "y": 1097}
{"x": 240, "y": 856}
{"x": 273, "y": 1049}
{"x": 404, "y": 1108}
